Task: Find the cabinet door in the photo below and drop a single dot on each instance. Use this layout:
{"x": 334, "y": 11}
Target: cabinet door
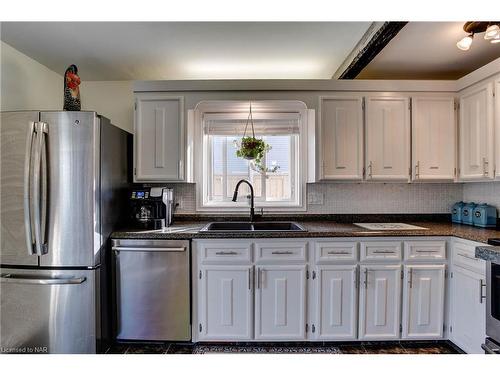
{"x": 423, "y": 302}
{"x": 226, "y": 303}
{"x": 468, "y": 310}
{"x": 159, "y": 138}
{"x": 497, "y": 127}
{"x": 476, "y": 133}
{"x": 336, "y": 302}
{"x": 434, "y": 138}
{"x": 380, "y": 300}
{"x": 341, "y": 135}
{"x": 387, "y": 138}
{"x": 280, "y": 299}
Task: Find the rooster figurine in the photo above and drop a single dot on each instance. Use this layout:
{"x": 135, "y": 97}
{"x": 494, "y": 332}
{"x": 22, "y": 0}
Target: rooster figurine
{"x": 71, "y": 90}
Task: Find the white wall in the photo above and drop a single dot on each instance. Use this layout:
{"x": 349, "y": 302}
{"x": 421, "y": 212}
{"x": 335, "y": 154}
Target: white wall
{"x": 113, "y": 99}
{"x": 26, "y": 84}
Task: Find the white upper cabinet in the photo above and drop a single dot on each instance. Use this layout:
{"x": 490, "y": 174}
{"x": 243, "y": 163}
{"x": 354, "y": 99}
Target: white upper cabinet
{"x": 341, "y": 138}
{"x": 423, "y": 302}
{"x": 379, "y": 302}
{"x": 497, "y": 127}
{"x": 387, "y": 138}
{"x": 476, "y": 149}
{"x": 159, "y": 138}
{"x": 280, "y": 302}
{"x": 434, "y": 138}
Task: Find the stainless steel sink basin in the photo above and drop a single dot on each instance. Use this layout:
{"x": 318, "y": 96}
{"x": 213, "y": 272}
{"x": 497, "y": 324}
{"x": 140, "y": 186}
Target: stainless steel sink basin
{"x": 263, "y": 226}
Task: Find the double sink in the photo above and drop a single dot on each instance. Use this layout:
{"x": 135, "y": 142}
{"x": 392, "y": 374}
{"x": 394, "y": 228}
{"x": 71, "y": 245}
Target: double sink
{"x": 262, "y": 226}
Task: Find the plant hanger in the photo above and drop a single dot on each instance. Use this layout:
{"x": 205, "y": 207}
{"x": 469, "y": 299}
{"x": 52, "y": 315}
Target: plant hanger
{"x": 249, "y": 118}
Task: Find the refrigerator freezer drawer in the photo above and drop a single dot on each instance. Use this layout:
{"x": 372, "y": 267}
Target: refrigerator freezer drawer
{"x": 152, "y": 290}
{"x": 48, "y": 311}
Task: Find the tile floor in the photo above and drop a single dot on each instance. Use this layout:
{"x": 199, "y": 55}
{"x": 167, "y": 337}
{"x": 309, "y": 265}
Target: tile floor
{"x": 396, "y": 347}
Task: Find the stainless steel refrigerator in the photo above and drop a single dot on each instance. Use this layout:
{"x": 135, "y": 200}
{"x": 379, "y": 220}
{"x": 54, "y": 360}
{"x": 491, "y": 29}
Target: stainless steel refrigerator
{"x": 63, "y": 180}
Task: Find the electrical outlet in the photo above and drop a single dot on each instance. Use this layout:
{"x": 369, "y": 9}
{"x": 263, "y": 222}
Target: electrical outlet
{"x": 315, "y": 198}
{"x": 179, "y": 203}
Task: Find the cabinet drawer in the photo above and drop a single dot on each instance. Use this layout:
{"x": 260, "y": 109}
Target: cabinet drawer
{"x": 330, "y": 251}
{"x": 281, "y": 251}
{"x": 381, "y": 251}
{"x": 464, "y": 255}
{"x": 425, "y": 250}
{"x": 227, "y": 251}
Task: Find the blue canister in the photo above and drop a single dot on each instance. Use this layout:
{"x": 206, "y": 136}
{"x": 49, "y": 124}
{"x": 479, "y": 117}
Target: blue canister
{"x": 456, "y": 212}
{"x": 468, "y": 213}
{"x": 485, "y": 216}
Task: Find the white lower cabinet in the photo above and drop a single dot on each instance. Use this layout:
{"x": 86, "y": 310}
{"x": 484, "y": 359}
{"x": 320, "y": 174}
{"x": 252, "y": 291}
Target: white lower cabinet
{"x": 468, "y": 310}
{"x": 226, "y": 303}
{"x": 336, "y": 302}
{"x": 280, "y": 302}
{"x": 423, "y": 301}
{"x": 380, "y": 302}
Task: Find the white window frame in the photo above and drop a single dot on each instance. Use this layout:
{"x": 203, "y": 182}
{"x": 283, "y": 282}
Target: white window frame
{"x": 202, "y": 159}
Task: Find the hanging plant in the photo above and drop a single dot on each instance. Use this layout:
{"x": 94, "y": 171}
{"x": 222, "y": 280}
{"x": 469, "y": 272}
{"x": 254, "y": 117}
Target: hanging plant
{"x": 254, "y": 149}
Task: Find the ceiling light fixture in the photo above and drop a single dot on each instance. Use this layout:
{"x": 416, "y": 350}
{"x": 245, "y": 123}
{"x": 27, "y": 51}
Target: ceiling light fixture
{"x": 491, "y": 30}
{"x": 465, "y": 42}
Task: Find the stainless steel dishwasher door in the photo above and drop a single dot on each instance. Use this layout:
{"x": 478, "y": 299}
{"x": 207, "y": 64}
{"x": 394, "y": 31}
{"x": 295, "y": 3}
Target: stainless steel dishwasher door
{"x": 152, "y": 292}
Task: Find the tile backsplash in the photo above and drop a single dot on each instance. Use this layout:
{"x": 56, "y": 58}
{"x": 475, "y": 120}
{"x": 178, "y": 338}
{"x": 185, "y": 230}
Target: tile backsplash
{"x": 368, "y": 198}
{"x": 483, "y": 192}
{"x": 361, "y": 198}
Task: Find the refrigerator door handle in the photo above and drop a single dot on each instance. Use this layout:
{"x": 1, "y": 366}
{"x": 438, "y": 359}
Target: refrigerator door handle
{"x": 27, "y": 184}
{"x": 41, "y": 129}
{"x": 19, "y": 279}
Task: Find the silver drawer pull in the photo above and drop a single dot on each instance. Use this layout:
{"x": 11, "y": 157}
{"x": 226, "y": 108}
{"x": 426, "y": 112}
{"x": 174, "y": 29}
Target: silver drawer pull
{"x": 282, "y": 252}
{"x": 338, "y": 253}
{"x": 427, "y": 251}
{"x": 148, "y": 249}
{"x": 19, "y": 279}
{"x": 383, "y": 252}
{"x": 468, "y": 257}
{"x": 226, "y": 253}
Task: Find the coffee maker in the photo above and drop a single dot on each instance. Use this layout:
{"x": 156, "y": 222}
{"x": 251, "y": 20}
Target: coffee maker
{"x": 151, "y": 207}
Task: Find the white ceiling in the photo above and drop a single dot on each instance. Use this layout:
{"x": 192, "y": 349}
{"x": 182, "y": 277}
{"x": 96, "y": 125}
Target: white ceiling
{"x": 427, "y": 50}
{"x": 165, "y": 50}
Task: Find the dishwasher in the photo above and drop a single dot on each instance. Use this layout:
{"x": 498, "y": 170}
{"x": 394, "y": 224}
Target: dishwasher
{"x": 151, "y": 290}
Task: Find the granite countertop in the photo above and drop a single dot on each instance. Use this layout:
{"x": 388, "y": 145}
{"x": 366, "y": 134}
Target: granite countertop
{"x": 489, "y": 253}
{"x": 190, "y": 230}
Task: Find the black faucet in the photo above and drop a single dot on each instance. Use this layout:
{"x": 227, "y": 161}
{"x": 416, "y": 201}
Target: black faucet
{"x": 235, "y": 197}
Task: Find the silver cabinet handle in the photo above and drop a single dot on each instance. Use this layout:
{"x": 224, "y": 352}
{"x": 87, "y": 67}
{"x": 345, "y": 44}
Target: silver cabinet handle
{"x": 19, "y": 279}
{"x": 356, "y": 278}
{"x": 370, "y": 169}
{"x": 410, "y": 281}
{"x": 468, "y": 257}
{"x": 383, "y": 252}
{"x": 27, "y": 184}
{"x": 282, "y": 252}
{"x": 366, "y": 278}
{"x": 149, "y": 249}
{"x": 485, "y": 167}
{"x": 258, "y": 278}
{"x": 338, "y": 253}
{"x": 249, "y": 279}
{"x": 481, "y": 285}
{"x": 226, "y": 253}
{"x": 417, "y": 170}
{"x": 427, "y": 251}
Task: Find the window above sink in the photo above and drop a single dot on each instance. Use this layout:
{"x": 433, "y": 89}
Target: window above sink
{"x": 284, "y": 125}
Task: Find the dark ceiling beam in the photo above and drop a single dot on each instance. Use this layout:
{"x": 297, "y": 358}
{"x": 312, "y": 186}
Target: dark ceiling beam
{"x": 361, "y": 57}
